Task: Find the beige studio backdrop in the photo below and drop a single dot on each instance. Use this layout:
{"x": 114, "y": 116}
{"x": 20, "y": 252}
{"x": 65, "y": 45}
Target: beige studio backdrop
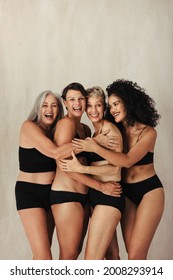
{"x": 46, "y": 44}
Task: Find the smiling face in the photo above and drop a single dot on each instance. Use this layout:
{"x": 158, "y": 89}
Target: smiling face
{"x": 75, "y": 103}
{"x": 49, "y": 111}
{"x": 95, "y": 109}
{"x": 117, "y": 108}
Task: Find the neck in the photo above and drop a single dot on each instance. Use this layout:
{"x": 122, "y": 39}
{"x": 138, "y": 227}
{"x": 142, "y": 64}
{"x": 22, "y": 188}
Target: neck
{"x": 98, "y": 126}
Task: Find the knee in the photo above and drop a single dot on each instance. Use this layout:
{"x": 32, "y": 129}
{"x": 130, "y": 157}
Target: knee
{"x": 136, "y": 255}
{"x": 42, "y": 256}
{"x": 112, "y": 254}
{"x": 69, "y": 254}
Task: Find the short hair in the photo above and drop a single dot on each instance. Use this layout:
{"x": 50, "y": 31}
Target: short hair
{"x": 74, "y": 86}
{"x": 98, "y": 92}
{"x": 35, "y": 114}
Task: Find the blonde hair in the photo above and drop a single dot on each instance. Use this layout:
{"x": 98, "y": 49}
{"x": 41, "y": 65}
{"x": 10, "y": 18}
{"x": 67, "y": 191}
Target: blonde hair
{"x": 98, "y": 92}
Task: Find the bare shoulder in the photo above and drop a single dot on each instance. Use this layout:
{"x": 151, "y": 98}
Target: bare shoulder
{"x": 113, "y": 129}
{"x": 150, "y": 131}
{"x": 29, "y": 127}
{"x": 65, "y": 123}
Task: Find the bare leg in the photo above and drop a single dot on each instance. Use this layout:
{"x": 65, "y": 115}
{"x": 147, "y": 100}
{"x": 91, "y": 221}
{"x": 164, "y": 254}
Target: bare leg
{"x": 101, "y": 229}
{"x": 112, "y": 252}
{"x": 87, "y": 213}
{"x": 35, "y": 222}
{"x": 69, "y": 218}
{"x": 148, "y": 215}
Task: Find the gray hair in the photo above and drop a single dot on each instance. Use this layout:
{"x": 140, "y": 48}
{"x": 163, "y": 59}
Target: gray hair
{"x": 35, "y": 114}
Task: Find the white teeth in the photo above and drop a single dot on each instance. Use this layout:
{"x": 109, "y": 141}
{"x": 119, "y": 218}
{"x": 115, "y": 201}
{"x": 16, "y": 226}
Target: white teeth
{"x": 49, "y": 115}
{"x": 115, "y": 115}
{"x": 77, "y": 108}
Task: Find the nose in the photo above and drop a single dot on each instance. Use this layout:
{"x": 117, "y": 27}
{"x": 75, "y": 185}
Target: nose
{"x": 93, "y": 109}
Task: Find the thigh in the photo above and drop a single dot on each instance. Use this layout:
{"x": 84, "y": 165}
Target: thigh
{"x": 101, "y": 229}
{"x": 148, "y": 215}
{"x": 36, "y": 227}
{"x": 112, "y": 253}
{"x": 128, "y": 221}
{"x": 50, "y": 224}
{"x": 69, "y": 218}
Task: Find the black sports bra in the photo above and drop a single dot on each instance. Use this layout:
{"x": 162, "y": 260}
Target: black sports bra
{"x": 82, "y": 154}
{"x": 32, "y": 161}
{"x": 148, "y": 158}
{"x": 95, "y": 157}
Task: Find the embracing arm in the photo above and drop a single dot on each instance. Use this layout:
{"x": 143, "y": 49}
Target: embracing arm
{"x": 73, "y": 165}
{"x": 33, "y": 136}
{"x": 66, "y": 131}
{"x": 109, "y": 188}
{"x": 145, "y": 144}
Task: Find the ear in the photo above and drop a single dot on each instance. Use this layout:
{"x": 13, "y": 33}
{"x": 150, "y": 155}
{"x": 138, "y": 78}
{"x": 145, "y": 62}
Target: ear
{"x": 65, "y": 104}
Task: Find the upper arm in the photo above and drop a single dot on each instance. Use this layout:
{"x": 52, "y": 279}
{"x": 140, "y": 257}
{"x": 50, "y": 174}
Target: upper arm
{"x": 65, "y": 131}
{"x": 32, "y": 136}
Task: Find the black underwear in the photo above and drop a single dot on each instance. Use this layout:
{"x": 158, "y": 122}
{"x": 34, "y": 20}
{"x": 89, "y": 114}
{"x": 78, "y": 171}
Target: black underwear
{"x": 31, "y": 195}
{"x": 136, "y": 191}
{"x": 58, "y": 197}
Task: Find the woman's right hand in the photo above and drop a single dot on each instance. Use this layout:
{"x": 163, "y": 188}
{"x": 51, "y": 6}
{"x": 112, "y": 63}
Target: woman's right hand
{"x": 111, "y": 188}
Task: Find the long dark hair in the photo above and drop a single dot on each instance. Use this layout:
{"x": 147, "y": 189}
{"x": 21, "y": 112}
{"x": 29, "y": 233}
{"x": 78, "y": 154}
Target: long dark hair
{"x": 138, "y": 104}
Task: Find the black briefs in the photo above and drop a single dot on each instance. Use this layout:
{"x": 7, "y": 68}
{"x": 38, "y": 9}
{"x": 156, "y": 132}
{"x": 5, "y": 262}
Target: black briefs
{"x": 136, "y": 191}
{"x": 99, "y": 198}
{"x": 31, "y": 195}
{"x": 58, "y": 197}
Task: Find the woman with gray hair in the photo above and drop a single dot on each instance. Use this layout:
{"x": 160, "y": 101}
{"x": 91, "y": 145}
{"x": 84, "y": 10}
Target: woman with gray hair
{"x": 37, "y": 155}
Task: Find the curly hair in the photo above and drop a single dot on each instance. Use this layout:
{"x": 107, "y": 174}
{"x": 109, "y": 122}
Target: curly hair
{"x": 139, "y": 105}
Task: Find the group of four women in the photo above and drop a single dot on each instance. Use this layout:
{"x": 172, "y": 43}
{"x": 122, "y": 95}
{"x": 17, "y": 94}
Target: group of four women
{"x": 90, "y": 182}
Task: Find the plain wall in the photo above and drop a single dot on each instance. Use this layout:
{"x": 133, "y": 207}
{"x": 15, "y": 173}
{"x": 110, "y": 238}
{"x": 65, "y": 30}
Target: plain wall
{"x": 46, "y": 44}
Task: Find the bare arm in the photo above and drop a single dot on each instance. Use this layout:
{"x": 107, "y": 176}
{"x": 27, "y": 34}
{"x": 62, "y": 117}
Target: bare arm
{"x": 32, "y": 136}
{"x": 73, "y": 165}
{"x": 66, "y": 131}
{"x": 145, "y": 144}
{"x": 107, "y": 141}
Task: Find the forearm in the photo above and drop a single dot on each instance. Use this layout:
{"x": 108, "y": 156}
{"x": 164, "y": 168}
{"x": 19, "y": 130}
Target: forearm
{"x": 105, "y": 169}
{"x": 114, "y": 158}
{"x": 63, "y": 151}
{"x": 85, "y": 180}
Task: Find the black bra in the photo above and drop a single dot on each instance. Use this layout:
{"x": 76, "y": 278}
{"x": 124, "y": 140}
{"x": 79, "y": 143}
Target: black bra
{"x": 147, "y": 159}
{"x": 82, "y": 154}
{"x": 95, "y": 157}
{"x": 32, "y": 161}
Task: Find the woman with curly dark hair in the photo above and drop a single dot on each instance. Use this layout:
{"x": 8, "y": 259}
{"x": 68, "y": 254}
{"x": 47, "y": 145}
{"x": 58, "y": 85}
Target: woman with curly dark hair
{"x": 132, "y": 109}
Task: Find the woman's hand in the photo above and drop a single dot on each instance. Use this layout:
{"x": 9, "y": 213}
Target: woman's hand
{"x": 70, "y": 165}
{"x": 111, "y": 188}
{"x": 107, "y": 141}
{"x": 87, "y": 145}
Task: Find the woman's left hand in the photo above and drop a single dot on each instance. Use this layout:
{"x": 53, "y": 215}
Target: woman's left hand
{"x": 87, "y": 145}
{"x": 69, "y": 165}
